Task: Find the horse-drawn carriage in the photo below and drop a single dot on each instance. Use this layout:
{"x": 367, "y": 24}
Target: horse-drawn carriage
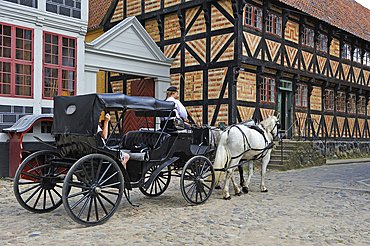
{"x": 86, "y": 174}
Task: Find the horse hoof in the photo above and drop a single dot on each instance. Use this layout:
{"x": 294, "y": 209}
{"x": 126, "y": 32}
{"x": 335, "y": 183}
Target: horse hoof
{"x": 238, "y": 194}
{"x": 264, "y": 190}
{"x": 218, "y": 187}
{"x": 245, "y": 189}
{"x": 227, "y": 198}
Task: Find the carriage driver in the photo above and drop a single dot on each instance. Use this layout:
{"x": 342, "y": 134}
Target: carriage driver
{"x": 180, "y": 110}
{"x": 104, "y": 134}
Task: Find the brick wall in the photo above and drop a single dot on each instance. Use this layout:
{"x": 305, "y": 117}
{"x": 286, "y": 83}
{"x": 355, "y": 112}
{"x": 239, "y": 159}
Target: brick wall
{"x": 199, "y": 25}
{"x": 316, "y": 98}
{"x": 151, "y": 26}
{"x": 291, "y": 32}
{"x": 118, "y": 12}
{"x": 133, "y": 7}
{"x": 334, "y": 48}
{"x": 196, "y": 112}
{"x": 216, "y": 79}
{"x": 171, "y": 27}
{"x": 193, "y": 86}
{"x": 168, "y": 3}
{"x": 218, "y": 20}
{"x": 152, "y": 5}
{"x": 246, "y": 87}
{"x": 223, "y": 114}
{"x": 246, "y": 113}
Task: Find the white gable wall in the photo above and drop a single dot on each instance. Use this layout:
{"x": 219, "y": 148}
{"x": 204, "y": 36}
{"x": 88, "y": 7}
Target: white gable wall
{"x": 127, "y": 48}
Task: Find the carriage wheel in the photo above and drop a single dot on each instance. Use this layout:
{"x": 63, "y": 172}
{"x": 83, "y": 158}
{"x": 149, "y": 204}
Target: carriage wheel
{"x": 159, "y": 184}
{"x": 93, "y": 189}
{"x": 38, "y": 183}
{"x": 197, "y": 180}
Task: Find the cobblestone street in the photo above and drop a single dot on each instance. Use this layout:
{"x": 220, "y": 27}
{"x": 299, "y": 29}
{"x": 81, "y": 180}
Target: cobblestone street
{"x": 327, "y": 205}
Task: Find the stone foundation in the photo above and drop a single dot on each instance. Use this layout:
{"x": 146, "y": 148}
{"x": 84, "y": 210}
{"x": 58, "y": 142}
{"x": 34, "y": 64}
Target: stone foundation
{"x": 343, "y": 149}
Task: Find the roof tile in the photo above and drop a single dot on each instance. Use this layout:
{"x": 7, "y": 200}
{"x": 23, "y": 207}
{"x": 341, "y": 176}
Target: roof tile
{"x": 97, "y": 11}
{"x": 347, "y": 15}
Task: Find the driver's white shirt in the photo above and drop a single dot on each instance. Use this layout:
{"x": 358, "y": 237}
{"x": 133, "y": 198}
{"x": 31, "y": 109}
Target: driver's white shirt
{"x": 179, "y": 108}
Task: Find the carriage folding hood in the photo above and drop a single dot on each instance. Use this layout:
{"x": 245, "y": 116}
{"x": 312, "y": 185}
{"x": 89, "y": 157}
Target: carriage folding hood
{"x": 80, "y": 114}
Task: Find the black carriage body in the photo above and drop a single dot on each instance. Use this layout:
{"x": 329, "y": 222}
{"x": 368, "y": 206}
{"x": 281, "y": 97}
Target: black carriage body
{"x": 91, "y": 171}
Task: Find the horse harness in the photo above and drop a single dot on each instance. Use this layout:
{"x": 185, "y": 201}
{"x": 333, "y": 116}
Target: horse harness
{"x": 260, "y": 155}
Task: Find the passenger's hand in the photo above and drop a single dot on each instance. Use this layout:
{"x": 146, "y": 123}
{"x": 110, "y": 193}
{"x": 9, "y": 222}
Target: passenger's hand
{"x": 107, "y": 117}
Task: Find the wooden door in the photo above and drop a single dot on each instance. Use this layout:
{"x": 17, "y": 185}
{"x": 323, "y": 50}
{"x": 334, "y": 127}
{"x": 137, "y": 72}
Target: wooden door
{"x": 142, "y": 88}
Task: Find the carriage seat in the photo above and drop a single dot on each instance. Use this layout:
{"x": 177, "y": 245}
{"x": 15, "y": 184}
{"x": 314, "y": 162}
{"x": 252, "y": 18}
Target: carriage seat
{"x": 136, "y": 141}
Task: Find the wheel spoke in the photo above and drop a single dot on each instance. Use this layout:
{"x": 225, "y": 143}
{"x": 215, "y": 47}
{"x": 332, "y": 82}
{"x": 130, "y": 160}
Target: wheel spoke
{"x": 56, "y": 192}
{"x": 79, "y": 201}
{"x": 96, "y": 209}
{"x": 81, "y": 178}
{"x": 105, "y": 198}
{"x": 190, "y": 175}
{"x": 79, "y": 193}
{"x": 191, "y": 189}
{"x": 99, "y": 167}
{"x": 61, "y": 172}
{"x": 87, "y": 175}
{"x": 31, "y": 175}
{"x": 160, "y": 180}
{"x": 207, "y": 176}
{"x": 33, "y": 187}
{"x": 44, "y": 202}
{"x": 31, "y": 182}
{"x": 92, "y": 170}
{"x": 51, "y": 198}
{"x": 102, "y": 205}
{"x": 33, "y": 194}
{"x": 90, "y": 206}
{"x": 114, "y": 174}
{"x": 84, "y": 206}
{"x": 78, "y": 185}
{"x": 38, "y": 198}
{"x": 38, "y": 164}
{"x": 109, "y": 185}
{"x": 186, "y": 186}
{"x": 202, "y": 173}
{"x": 106, "y": 170}
{"x": 110, "y": 192}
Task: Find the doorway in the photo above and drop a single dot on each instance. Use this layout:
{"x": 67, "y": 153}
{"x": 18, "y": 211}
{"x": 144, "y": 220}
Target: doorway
{"x": 285, "y": 106}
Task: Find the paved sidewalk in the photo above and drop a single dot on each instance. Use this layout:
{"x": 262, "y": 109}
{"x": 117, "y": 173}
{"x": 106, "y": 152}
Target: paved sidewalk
{"x": 326, "y": 205}
{"x": 347, "y": 161}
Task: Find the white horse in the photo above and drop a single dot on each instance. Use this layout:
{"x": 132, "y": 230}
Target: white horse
{"x": 241, "y": 142}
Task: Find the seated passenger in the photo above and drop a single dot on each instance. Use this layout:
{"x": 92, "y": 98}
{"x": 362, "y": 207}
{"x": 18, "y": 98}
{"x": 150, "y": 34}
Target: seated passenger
{"x": 104, "y": 134}
{"x": 179, "y": 109}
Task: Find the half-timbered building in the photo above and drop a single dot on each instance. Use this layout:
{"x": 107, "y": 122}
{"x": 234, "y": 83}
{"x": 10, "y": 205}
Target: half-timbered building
{"x": 235, "y": 60}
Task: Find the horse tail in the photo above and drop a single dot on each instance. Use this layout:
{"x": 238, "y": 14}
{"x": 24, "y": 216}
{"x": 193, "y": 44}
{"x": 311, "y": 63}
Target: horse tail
{"x": 223, "y": 155}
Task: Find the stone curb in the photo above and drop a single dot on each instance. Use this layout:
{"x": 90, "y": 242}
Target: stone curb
{"x": 348, "y": 161}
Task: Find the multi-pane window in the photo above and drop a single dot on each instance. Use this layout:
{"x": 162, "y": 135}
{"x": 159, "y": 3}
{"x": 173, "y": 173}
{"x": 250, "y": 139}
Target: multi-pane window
{"x": 70, "y": 8}
{"x": 273, "y": 25}
{"x": 29, "y": 3}
{"x": 361, "y": 105}
{"x": 301, "y": 95}
{"x": 59, "y": 65}
{"x": 268, "y": 90}
{"x": 329, "y": 100}
{"x": 351, "y": 108}
{"x": 357, "y": 55}
{"x": 16, "y": 61}
{"x": 367, "y": 59}
{"x": 341, "y": 101}
{"x": 308, "y": 37}
{"x": 253, "y": 17}
{"x": 346, "y": 52}
{"x": 322, "y": 44}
